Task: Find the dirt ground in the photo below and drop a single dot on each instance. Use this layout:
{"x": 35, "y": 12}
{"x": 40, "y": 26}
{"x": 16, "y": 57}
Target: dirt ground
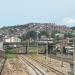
{"x": 14, "y": 67}
{"x": 54, "y": 63}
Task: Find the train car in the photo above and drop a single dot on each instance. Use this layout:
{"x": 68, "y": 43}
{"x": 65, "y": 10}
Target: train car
{"x": 2, "y": 56}
{"x": 2, "y": 52}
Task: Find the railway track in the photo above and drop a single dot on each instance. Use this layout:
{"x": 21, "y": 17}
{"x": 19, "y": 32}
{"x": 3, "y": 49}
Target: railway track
{"x": 68, "y": 60}
{"x": 46, "y": 66}
{"x": 34, "y": 68}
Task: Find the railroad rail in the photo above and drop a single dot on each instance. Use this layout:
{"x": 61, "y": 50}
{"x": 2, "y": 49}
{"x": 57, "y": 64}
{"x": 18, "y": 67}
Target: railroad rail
{"x": 2, "y": 67}
{"x": 46, "y": 66}
{"x": 36, "y": 69}
{"x": 68, "y": 60}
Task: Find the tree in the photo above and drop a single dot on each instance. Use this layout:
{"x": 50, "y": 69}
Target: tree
{"x": 68, "y": 35}
{"x": 23, "y": 37}
{"x": 53, "y": 35}
{"x": 31, "y": 34}
{"x": 28, "y": 35}
{"x": 43, "y": 33}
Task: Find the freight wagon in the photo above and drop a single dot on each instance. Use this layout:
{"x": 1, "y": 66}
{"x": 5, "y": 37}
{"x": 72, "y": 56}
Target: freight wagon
{"x": 2, "y": 52}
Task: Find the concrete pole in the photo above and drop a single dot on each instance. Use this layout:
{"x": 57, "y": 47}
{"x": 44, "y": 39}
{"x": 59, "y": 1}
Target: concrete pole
{"x": 62, "y": 53}
{"x": 50, "y": 49}
{"x": 28, "y": 48}
{"x": 74, "y": 55}
{"x": 37, "y": 43}
{"x": 46, "y": 55}
{"x": 46, "y": 49}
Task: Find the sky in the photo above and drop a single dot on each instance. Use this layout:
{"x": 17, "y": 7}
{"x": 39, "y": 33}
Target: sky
{"x": 13, "y": 12}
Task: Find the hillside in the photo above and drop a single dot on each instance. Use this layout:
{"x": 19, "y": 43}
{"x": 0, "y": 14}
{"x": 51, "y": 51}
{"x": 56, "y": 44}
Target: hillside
{"x": 21, "y": 29}
{"x": 73, "y": 28}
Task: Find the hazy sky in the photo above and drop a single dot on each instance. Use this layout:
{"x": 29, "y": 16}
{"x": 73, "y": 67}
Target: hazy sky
{"x": 14, "y": 12}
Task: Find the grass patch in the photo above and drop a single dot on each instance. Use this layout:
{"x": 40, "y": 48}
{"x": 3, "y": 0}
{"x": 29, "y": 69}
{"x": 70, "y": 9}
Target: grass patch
{"x": 10, "y": 56}
{"x": 32, "y": 48}
{"x": 9, "y": 51}
{"x": 34, "y": 56}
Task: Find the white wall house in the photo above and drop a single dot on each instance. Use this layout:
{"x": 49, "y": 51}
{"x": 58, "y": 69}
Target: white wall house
{"x": 1, "y": 44}
{"x": 59, "y": 34}
{"x": 12, "y": 39}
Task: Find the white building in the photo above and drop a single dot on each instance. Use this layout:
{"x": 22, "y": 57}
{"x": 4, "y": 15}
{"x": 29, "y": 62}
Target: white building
{"x": 12, "y": 39}
{"x": 1, "y": 44}
{"x": 59, "y": 35}
{"x": 45, "y": 40}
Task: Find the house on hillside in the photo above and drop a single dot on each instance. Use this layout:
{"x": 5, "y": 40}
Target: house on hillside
{"x": 45, "y": 40}
{"x": 59, "y": 35}
{"x": 69, "y": 41}
{"x": 12, "y": 39}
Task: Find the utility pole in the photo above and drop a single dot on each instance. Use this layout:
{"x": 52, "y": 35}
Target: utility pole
{"x": 49, "y": 48}
{"x": 28, "y": 47}
{"x": 72, "y": 66}
{"x": 37, "y": 43}
{"x": 46, "y": 50}
{"x": 62, "y": 53}
{"x": 74, "y": 55}
{"x": 62, "y": 50}
{"x": 55, "y": 44}
{"x": 37, "y": 40}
